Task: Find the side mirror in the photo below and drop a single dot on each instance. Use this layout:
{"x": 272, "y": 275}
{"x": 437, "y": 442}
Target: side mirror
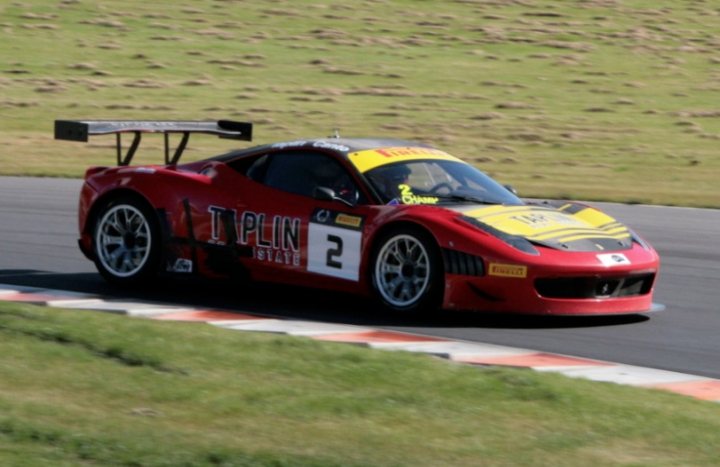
{"x": 324, "y": 193}
{"x": 511, "y": 189}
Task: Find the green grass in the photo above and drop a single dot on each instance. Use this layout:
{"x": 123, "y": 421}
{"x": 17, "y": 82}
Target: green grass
{"x": 595, "y": 100}
{"x": 84, "y": 388}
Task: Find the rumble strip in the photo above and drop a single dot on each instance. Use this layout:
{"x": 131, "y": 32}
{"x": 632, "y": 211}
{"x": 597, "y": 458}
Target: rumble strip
{"x": 471, "y": 353}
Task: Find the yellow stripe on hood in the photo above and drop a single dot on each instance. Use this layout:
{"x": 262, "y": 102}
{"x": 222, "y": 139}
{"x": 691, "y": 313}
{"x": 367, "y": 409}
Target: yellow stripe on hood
{"x": 545, "y": 224}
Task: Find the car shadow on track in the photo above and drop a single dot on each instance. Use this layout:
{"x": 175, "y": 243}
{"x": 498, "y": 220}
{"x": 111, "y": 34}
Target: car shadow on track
{"x": 297, "y": 303}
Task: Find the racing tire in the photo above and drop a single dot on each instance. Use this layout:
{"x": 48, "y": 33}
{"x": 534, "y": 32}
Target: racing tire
{"x": 406, "y": 271}
{"x": 126, "y": 241}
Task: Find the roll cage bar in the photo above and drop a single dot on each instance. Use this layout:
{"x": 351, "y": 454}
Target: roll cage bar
{"x": 81, "y": 130}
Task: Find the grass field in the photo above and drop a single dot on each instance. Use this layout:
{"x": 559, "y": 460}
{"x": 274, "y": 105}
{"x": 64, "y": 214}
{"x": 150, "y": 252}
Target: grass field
{"x": 85, "y": 388}
{"x": 596, "y": 99}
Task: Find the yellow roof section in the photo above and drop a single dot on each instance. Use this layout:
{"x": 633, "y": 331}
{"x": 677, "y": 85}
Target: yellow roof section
{"x": 372, "y": 158}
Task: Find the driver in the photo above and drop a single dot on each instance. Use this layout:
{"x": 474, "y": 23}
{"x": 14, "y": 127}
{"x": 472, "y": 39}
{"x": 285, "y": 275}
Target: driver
{"x": 387, "y": 180}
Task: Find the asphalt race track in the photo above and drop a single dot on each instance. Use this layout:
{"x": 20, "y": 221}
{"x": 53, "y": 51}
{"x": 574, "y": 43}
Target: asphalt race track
{"x": 38, "y": 247}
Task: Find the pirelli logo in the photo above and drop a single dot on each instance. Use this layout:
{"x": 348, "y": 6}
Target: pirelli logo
{"x": 507, "y": 270}
{"x": 349, "y": 221}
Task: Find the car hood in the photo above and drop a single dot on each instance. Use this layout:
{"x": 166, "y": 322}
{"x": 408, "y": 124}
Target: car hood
{"x": 565, "y": 226}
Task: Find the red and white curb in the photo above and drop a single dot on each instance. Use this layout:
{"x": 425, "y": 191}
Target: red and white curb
{"x": 471, "y": 353}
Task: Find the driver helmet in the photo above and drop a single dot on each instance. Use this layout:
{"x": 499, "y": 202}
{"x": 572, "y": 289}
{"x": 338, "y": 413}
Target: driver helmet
{"x": 387, "y": 179}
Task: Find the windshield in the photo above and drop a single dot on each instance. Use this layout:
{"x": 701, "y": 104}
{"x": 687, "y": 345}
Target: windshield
{"x": 437, "y": 182}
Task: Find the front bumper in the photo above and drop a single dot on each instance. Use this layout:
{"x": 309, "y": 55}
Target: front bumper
{"x": 558, "y": 283}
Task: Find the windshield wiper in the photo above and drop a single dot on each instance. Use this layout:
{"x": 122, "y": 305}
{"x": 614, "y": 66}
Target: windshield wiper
{"x": 467, "y": 199}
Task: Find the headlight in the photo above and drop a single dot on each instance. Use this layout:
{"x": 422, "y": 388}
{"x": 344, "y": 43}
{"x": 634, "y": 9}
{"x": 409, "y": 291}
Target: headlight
{"x": 515, "y": 241}
{"x": 637, "y": 239}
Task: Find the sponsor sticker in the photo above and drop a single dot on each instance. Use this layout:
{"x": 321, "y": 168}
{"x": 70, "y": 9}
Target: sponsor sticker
{"x": 371, "y": 158}
{"x": 542, "y": 220}
{"x": 334, "y": 241}
{"x": 613, "y": 259}
{"x": 409, "y": 151}
{"x": 317, "y": 144}
{"x": 331, "y": 146}
{"x": 273, "y": 238}
{"x": 288, "y": 144}
{"x": 181, "y": 266}
{"x": 408, "y": 197}
{"x": 338, "y": 219}
{"x": 334, "y": 251}
{"x": 507, "y": 270}
{"x": 348, "y": 220}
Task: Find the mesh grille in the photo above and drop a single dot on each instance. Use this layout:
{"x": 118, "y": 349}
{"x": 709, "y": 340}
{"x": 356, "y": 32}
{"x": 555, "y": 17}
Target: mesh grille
{"x": 595, "y": 286}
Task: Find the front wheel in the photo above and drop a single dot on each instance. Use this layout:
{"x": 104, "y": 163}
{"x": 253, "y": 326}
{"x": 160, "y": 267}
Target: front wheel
{"x": 126, "y": 242}
{"x": 407, "y": 271}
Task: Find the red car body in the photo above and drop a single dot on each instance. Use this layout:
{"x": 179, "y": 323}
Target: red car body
{"x": 218, "y": 218}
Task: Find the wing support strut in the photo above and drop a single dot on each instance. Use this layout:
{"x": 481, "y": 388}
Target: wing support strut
{"x": 81, "y": 130}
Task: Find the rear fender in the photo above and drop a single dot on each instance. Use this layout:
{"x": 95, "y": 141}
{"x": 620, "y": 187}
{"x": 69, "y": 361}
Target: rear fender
{"x": 105, "y": 198}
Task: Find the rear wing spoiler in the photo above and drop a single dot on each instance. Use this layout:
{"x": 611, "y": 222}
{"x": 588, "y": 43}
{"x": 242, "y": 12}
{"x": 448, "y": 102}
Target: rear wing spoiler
{"x": 81, "y": 130}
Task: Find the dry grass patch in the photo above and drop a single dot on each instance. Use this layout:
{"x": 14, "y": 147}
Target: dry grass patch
{"x": 612, "y": 65}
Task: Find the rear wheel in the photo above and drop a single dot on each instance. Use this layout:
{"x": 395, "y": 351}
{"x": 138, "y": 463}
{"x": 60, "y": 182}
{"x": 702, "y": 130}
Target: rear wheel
{"x": 407, "y": 271}
{"x": 126, "y": 241}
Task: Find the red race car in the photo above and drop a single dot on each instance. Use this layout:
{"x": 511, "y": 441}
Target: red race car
{"x": 411, "y": 225}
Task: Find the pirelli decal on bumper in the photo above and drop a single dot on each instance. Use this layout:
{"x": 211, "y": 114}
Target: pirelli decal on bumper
{"x": 507, "y": 270}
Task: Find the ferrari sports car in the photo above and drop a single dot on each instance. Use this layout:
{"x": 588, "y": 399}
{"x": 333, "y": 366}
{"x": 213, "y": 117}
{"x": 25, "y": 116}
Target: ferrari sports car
{"x": 408, "y": 224}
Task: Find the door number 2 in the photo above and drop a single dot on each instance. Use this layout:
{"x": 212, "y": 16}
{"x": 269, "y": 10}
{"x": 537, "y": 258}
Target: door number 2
{"x": 335, "y": 253}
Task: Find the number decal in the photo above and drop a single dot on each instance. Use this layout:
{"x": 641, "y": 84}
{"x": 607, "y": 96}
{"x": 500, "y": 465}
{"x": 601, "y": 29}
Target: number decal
{"x": 408, "y": 197}
{"x": 333, "y": 253}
